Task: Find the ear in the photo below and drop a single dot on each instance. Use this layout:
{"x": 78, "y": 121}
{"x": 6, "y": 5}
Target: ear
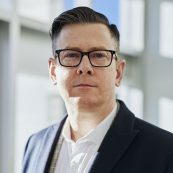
{"x": 119, "y": 71}
{"x": 52, "y": 68}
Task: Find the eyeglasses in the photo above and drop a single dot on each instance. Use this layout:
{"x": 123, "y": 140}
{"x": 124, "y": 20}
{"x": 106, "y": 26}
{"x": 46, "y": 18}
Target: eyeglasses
{"x": 97, "y": 58}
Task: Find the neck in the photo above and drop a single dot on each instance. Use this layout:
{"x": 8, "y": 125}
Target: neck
{"x": 83, "y": 121}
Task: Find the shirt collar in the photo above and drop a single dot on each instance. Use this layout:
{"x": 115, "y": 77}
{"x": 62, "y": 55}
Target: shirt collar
{"x": 97, "y": 134}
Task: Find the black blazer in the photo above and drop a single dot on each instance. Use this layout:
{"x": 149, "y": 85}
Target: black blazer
{"x": 131, "y": 145}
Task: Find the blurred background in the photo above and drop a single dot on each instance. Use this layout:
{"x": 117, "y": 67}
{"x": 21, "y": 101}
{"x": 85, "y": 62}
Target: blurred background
{"x": 28, "y": 99}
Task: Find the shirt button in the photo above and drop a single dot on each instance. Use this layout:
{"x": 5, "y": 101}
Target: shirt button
{"x": 72, "y": 164}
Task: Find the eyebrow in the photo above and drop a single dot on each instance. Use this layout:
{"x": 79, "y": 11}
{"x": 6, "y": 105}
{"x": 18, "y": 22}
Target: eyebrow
{"x": 90, "y": 49}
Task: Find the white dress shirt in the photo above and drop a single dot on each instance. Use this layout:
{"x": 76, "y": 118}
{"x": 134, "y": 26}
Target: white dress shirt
{"x": 77, "y": 157}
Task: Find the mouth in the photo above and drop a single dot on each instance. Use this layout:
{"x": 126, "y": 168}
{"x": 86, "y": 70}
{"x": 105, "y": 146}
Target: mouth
{"x": 84, "y": 85}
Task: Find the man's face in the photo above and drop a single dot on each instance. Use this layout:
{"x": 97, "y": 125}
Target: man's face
{"x": 86, "y": 85}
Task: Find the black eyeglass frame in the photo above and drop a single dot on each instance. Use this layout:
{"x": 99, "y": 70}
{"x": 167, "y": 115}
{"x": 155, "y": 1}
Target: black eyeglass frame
{"x": 113, "y": 52}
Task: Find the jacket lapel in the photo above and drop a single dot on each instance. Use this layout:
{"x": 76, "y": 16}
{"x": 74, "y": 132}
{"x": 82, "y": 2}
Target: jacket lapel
{"x": 49, "y": 146}
{"x": 117, "y": 140}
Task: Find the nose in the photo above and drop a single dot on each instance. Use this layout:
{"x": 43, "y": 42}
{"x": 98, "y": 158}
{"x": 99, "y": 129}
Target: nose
{"x": 85, "y": 66}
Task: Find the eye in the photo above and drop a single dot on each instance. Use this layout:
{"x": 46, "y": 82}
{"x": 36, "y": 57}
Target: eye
{"x": 98, "y": 55}
{"x": 70, "y": 54}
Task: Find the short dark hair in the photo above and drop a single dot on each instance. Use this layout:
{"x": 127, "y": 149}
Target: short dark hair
{"x": 80, "y": 15}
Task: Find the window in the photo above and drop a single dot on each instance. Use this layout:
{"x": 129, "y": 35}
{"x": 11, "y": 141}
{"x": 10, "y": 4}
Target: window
{"x": 38, "y": 10}
{"x": 133, "y": 97}
{"x": 128, "y": 15}
{"x": 166, "y": 114}
{"x": 110, "y": 9}
{"x": 68, "y": 4}
{"x": 132, "y": 25}
{"x": 166, "y": 29}
{"x": 37, "y": 106}
{"x": 6, "y": 4}
{"x": 82, "y": 3}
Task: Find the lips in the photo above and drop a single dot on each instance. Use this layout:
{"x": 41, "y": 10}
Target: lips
{"x": 84, "y": 85}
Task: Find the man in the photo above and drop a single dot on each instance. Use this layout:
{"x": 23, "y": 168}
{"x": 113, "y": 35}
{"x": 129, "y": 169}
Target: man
{"x": 99, "y": 133}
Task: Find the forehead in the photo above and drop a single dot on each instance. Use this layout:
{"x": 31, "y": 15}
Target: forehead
{"x": 85, "y": 36}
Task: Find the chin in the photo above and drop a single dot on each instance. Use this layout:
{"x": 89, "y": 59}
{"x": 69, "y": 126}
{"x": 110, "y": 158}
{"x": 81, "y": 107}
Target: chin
{"x": 88, "y": 102}
{"x": 84, "y": 99}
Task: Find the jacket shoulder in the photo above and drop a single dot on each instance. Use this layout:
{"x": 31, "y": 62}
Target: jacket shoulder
{"x": 148, "y": 128}
{"x": 39, "y": 136}
{"x": 153, "y": 136}
{"x": 38, "y": 147}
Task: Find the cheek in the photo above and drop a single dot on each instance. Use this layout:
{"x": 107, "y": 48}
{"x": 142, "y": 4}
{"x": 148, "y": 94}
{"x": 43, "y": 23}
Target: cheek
{"x": 110, "y": 77}
{"x": 108, "y": 81}
{"x": 64, "y": 78}
{"x": 61, "y": 77}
